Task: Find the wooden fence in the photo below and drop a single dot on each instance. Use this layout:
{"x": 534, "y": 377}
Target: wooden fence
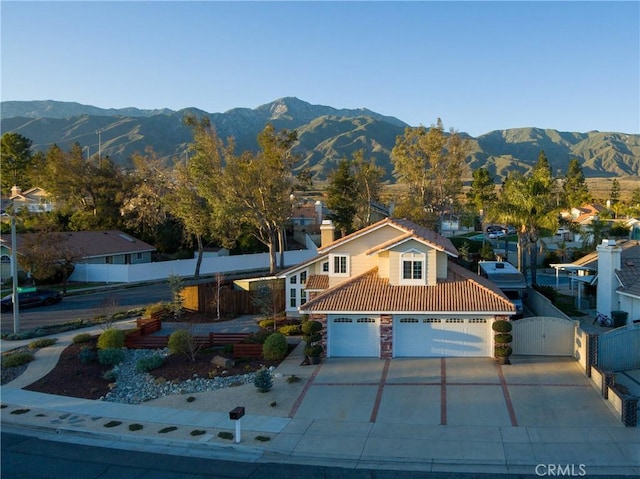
{"x": 141, "y": 338}
{"x": 203, "y": 298}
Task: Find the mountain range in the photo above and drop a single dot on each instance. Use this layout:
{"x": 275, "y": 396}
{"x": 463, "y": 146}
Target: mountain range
{"x": 325, "y": 135}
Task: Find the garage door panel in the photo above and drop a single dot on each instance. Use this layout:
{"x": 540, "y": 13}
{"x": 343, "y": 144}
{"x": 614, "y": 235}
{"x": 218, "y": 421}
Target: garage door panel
{"x": 354, "y": 337}
{"x": 441, "y": 337}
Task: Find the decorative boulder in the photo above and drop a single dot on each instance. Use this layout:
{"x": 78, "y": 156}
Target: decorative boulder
{"x": 223, "y": 362}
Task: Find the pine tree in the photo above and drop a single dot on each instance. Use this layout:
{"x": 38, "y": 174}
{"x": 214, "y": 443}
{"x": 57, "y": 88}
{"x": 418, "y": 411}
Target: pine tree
{"x": 341, "y": 197}
{"x": 576, "y": 191}
{"x": 263, "y": 380}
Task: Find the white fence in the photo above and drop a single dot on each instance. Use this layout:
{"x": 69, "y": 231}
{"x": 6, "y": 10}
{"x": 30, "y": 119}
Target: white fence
{"x": 133, "y": 273}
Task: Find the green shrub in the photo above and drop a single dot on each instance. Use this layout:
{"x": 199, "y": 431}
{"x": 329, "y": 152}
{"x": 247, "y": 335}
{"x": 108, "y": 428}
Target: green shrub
{"x": 42, "y": 343}
{"x": 311, "y": 327}
{"x": 503, "y": 338}
{"x": 263, "y": 380}
{"x": 17, "y": 359}
{"x": 268, "y": 323}
{"x": 503, "y": 351}
{"x": 149, "y": 363}
{"x": 313, "y": 351}
{"x": 181, "y": 342}
{"x": 290, "y": 330}
{"x": 111, "y": 375}
{"x": 275, "y": 347}
{"x": 82, "y": 338}
{"x": 112, "y": 338}
{"x": 502, "y": 326}
{"x": 156, "y": 309}
{"x": 87, "y": 355}
{"x": 110, "y": 356}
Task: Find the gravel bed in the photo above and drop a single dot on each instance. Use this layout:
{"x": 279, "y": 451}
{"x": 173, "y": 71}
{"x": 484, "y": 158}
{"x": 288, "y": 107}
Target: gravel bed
{"x": 135, "y": 387}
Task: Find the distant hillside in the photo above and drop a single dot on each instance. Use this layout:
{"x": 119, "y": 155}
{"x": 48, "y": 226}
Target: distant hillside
{"x": 326, "y": 135}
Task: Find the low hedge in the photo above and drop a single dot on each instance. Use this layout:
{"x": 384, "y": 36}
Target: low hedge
{"x": 17, "y": 359}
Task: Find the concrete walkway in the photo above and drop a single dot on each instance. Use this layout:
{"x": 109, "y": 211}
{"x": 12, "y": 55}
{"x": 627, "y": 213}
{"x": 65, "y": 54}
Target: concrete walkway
{"x": 453, "y": 414}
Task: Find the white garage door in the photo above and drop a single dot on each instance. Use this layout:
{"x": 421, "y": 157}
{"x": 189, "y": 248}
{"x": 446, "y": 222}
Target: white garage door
{"x": 354, "y": 337}
{"x": 441, "y": 337}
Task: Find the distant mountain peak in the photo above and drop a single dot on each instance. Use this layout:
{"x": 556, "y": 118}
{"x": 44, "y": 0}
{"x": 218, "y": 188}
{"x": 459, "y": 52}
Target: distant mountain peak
{"x": 326, "y": 134}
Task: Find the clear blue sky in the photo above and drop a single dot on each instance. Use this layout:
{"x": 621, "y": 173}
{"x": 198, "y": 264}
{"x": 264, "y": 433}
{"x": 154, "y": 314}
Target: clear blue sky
{"x": 480, "y": 66}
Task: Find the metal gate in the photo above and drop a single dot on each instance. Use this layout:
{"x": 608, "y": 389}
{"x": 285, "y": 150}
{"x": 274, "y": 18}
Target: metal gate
{"x": 544, "y": 336}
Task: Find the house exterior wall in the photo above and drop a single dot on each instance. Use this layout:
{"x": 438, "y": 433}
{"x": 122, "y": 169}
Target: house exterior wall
{"x": 631, "y": 305}
{"x": 395, "y": 262}
{"x": 609, "y": 256}
{"x": 441, "y": 262}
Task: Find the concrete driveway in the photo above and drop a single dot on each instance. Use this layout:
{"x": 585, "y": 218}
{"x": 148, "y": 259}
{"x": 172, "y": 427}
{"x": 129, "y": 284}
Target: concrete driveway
{"x": 533, "y": 391}
{"x": 538, "y": 410}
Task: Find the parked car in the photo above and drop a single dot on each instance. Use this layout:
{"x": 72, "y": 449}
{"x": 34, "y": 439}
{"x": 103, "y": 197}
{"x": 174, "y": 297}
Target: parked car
{"x": 497, "y": 234}
{"x": 29, "y": 298}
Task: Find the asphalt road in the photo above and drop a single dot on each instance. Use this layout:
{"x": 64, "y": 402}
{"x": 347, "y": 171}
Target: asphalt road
{"x": 26, "y": 457}
{"x": 87, "y": 305}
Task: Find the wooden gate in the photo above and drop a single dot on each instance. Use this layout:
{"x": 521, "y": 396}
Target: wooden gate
{"x": 544, "y": 336}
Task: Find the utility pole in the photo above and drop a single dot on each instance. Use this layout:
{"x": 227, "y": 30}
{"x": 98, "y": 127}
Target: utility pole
{"x": 99, "y": 133}
{"x": 14, "y": 273}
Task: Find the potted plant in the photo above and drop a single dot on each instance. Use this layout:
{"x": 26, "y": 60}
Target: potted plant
{"x": 502, "y": 341}
{"x": 502, "y": 354}
{"x": 311, "y": 331}
{"x": 313, "y": 353}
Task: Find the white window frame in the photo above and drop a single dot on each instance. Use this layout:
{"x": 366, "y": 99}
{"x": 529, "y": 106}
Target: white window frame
{"x": 332, "y": 264}
{"x": 413, "y": 256}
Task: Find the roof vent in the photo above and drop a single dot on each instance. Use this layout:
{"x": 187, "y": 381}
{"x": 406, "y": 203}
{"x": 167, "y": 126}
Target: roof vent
{"x": 126, "y": 237}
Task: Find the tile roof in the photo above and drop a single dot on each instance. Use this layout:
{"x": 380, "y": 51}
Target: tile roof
{"x": 317, "y": 282}
{"x": 95, "y": 243}
{"x": 630, "y": 249}
{"x": 462, "y": 292}
{"x": 629, "y": 276}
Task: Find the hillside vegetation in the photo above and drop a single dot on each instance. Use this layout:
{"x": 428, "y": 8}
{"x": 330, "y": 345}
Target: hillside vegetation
{"x": 326, "y": 135}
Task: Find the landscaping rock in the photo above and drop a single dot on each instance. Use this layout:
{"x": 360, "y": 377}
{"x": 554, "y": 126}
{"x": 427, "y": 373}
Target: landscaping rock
{"x": 223, "y": 362}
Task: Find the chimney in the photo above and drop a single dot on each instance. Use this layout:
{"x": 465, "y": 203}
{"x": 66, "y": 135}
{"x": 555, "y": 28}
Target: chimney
{"x": 15, "y": 191}
{"x": 327, "y": 231}
{"x": 318, "y": 207}
{"x": 609, "y": 254}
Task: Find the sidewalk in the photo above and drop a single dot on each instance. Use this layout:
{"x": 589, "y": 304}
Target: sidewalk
{"x": 324, "y": 428}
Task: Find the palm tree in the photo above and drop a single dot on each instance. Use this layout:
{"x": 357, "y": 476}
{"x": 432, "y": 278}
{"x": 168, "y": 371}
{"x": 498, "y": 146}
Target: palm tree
{"x": 528, "y": 203}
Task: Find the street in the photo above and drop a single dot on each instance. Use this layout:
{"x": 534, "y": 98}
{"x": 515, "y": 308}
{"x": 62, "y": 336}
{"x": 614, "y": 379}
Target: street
{"x": 26, "y": 457}
{"x": 87, "y": 306}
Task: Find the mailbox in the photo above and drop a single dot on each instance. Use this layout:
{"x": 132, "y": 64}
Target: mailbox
{"x": 236, "y": 413}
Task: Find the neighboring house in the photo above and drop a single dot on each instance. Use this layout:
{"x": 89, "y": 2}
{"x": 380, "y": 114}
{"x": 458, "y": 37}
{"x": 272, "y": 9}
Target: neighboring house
{"x": 390, "y": 290}
{"x": 35, "y": 200}
{"x": 585, "y": 214}
{"x": 615, "y": 268}
{"x": 619, "y": 278}
{"x": 91, "y": 247}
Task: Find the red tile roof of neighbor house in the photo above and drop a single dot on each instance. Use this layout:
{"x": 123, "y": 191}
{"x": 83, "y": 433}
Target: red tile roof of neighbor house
{"x": 461, "y": 292}
{"x": 93, "y": 243}
{"x": 409, "y": 229}
{"x": 317, "y": 282}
